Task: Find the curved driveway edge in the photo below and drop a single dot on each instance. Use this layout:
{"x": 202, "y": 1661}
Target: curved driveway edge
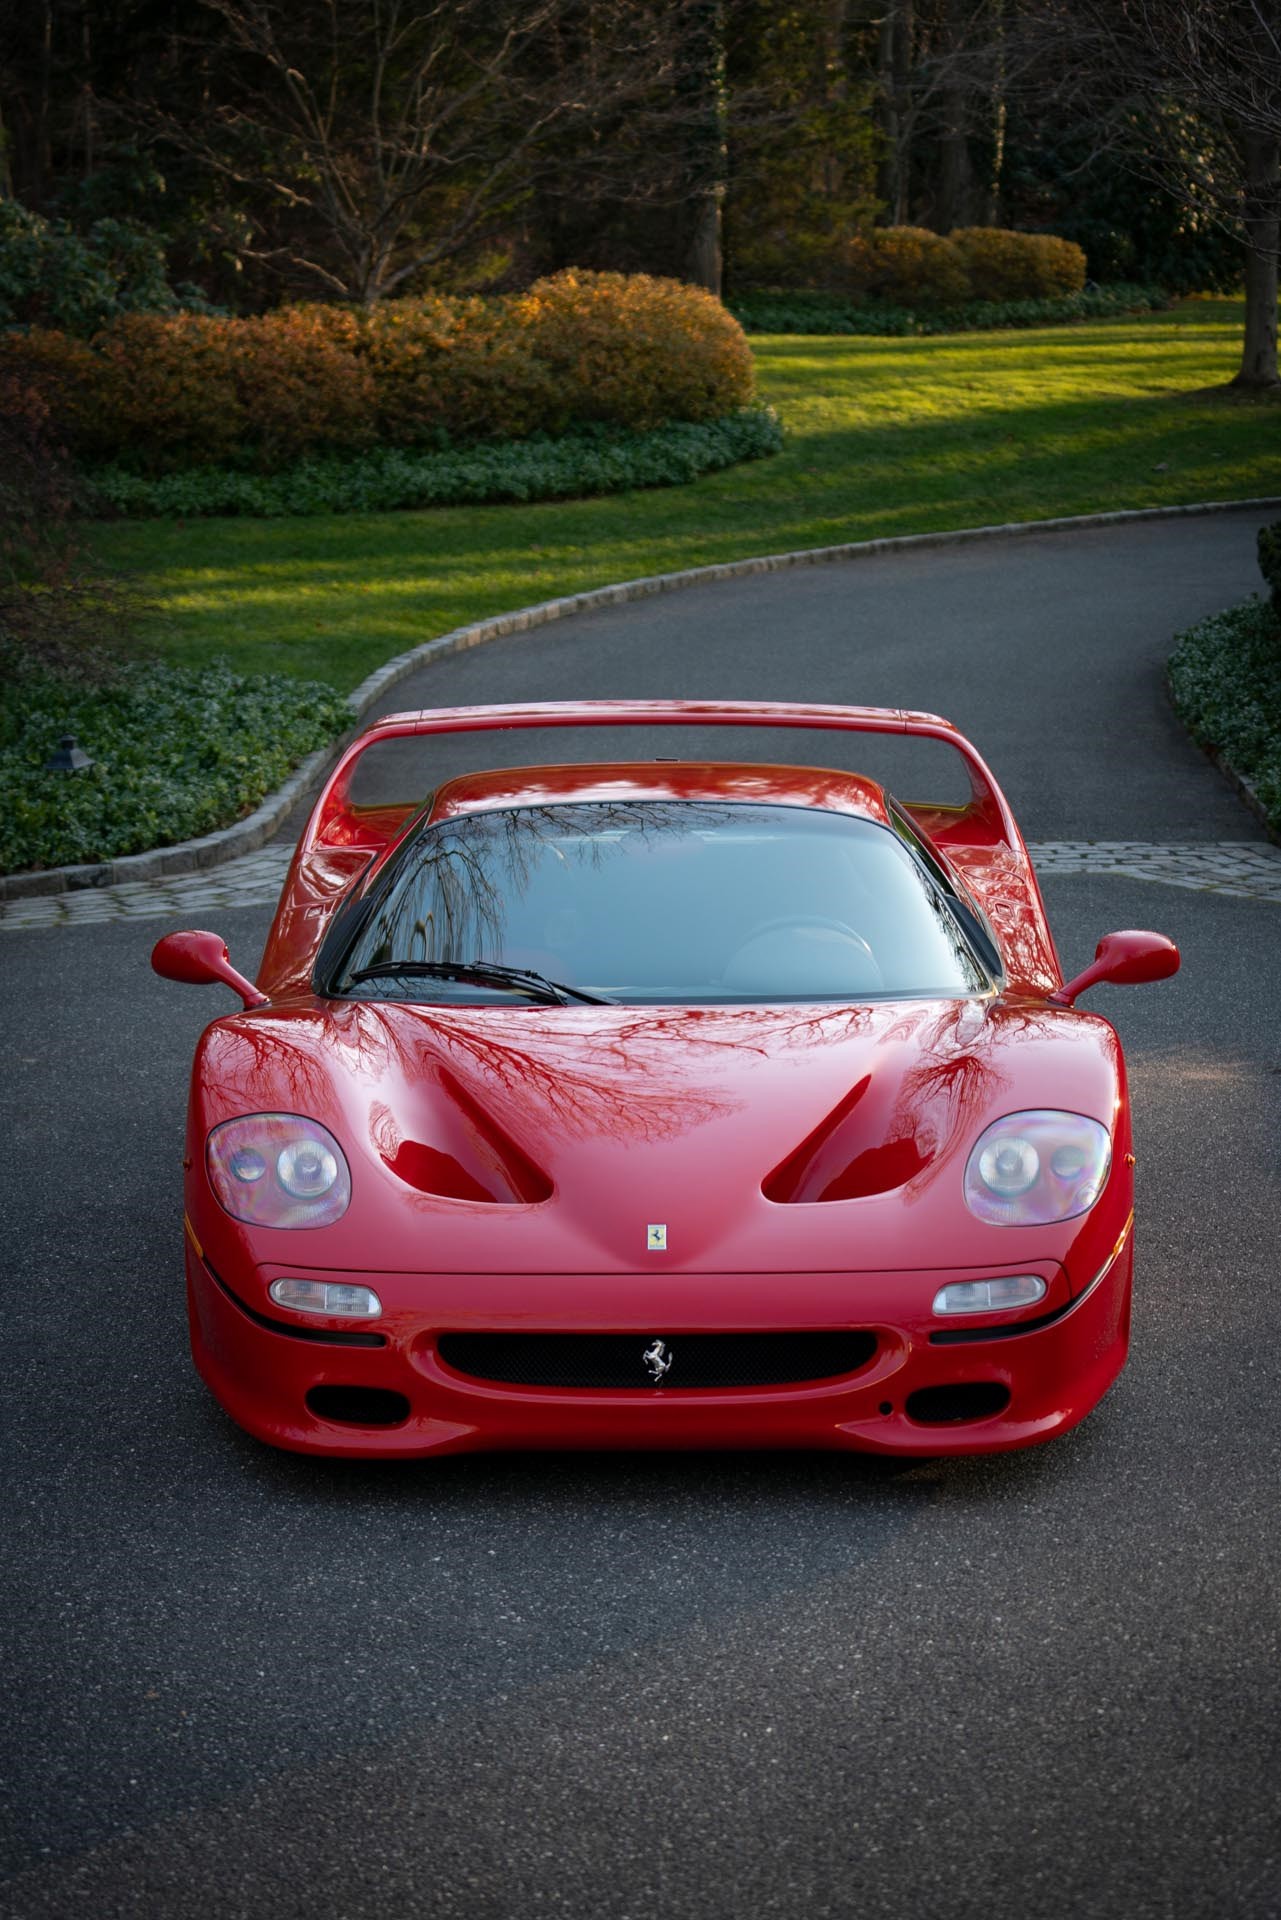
{"x": 247, "y": 835}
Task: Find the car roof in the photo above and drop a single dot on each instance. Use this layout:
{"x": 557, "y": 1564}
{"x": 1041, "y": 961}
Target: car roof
{"x": 825, "y": 787}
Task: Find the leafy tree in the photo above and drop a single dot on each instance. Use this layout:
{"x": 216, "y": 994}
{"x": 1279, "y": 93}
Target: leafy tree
{"x": 382, "y": 144}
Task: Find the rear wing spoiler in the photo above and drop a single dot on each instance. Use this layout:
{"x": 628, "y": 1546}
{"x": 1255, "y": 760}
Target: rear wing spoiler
{"x": 335, "y": 822}
{"x": 980, "y": 837}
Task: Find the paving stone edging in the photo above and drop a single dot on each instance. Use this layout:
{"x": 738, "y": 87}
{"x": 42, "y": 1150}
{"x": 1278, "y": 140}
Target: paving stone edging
{"x": 247, "y": 835}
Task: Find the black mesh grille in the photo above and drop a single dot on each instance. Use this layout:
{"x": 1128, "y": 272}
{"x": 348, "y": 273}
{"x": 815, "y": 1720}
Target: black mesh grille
{"x": 618, "y": 1359}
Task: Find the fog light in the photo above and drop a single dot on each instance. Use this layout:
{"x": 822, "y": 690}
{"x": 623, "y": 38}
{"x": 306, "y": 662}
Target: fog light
{"x": 326, "y": 1296}
{"x": 989, "y": 1296}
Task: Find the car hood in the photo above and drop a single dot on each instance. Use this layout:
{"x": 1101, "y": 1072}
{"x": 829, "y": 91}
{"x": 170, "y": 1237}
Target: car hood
{"x": 758, "y": 1139}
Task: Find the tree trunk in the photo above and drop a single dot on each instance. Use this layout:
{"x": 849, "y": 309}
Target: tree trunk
{"x": 44, "y": 138}
{"x": 704, "y": 261}
{"x": 887, "y": 116}
{"x": 6, "y": 175}
{"x": 1263, "y": 230}
{"x": 955, "y": 173}
{"x": 708, "y": 147}
{"x": 830, "y": 180}
{"x": 954, "y": 166}
{"x": 1000, "y": 118}
{"x": 894, "y": 77}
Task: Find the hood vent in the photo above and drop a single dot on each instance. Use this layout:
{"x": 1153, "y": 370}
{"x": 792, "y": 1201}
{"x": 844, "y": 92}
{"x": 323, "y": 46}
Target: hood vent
{"x": 468, "y": 1156}
{"x": 847, "y": 1156}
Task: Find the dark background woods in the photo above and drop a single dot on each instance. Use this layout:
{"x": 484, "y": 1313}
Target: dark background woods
{"x": 364, "y": 148}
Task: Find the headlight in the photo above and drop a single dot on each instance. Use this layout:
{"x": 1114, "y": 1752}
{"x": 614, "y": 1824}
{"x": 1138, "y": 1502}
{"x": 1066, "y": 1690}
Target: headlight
{"x": 278, "y": 1170}
{"x": 1030, "y": 1169}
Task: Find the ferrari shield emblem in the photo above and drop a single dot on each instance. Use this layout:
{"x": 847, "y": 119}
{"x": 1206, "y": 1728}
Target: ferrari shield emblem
{"x": 656, "y": 1238}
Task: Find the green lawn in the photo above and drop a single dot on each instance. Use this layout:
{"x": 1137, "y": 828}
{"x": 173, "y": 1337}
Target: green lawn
{"x": 884, "y": 437}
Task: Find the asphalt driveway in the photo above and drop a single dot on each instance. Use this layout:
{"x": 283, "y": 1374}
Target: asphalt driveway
{"x": 241, "y": 1683}
{"x": 1047, "y": 650}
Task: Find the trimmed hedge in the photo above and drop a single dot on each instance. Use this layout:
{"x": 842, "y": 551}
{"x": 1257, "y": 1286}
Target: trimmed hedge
{"x": 1003, "y": 265}
{"x": 388, "y": 479}
{"x": 808, "y": 312}
{"x": 911, "y": 264}
{"x": 165, "y": 392}
{"x": 1225, "y": 679}
{"x": 916, "y": 268}
{"x": 177, "y": 752}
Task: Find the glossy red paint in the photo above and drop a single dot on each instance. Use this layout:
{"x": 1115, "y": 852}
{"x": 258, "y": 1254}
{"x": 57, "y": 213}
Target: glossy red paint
{"x": 806, "y": 1161}
{"x": 199, "y": 959}
{"x": 1129, "y": 959}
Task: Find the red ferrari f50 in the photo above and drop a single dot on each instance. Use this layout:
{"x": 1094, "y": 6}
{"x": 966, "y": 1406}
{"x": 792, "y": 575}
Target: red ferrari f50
{"x": 659, "y": 1105}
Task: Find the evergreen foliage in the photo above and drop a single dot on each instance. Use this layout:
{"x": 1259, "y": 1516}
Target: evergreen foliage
{"x": 52, "y": 276}
{"x": 778, "y": 311}
{"x": 177, "y": 751}
{"x": 1225, "y": 678}
{"x": 387, "y": 479}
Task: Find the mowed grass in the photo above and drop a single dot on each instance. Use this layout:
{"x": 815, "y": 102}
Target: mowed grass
{"x": 884, "y": 437}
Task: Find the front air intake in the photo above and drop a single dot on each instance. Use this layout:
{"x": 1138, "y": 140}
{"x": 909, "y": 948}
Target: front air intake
{"x": 949, "y": 1406}
{"x": 359, "y": 1406}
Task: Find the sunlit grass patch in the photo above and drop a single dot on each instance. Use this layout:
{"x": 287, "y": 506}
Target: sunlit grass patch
{"x": 883, "y": 437}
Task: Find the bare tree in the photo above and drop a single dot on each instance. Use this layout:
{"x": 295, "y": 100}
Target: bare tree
{"x": 1223, "y": 57}
{"x": 377, "y": 137}
{"x": 1149, "y": 67}
{"x": 941, "y": 91}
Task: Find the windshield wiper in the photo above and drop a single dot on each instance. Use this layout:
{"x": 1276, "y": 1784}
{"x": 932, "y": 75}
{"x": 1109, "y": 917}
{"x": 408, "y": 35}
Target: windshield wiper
{"x": 484, "y": 972}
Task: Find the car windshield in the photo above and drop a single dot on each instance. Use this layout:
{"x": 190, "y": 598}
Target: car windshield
{"x": 656, "y": 902}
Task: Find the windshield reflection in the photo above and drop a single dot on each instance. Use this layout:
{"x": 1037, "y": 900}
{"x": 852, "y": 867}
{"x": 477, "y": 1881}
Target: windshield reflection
{"x": 664, "y": 902}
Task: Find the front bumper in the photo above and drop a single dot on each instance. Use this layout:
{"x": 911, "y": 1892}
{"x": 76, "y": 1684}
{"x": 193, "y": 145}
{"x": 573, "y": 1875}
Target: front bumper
{"x": 1055, "y": 1368}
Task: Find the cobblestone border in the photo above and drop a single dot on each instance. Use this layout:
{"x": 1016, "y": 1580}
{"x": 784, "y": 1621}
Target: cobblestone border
{"x": 247, "y": 835}
{"x": 1242, "y": 869}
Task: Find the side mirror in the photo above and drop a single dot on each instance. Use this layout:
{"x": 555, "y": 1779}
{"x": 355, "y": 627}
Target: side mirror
{"x": 1126, "y": 960}
{"x": 199, "y": 959}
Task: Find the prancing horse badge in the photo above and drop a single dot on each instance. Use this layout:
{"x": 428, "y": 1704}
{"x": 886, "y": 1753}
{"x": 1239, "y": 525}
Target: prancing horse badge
{"x": 656, "y": 1238}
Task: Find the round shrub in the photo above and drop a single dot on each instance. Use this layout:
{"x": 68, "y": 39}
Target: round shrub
{"x": 778, "y": 257}
{"x": 911, "y": 266}
{"x": 171, "y": 391}
{"x": 1004, "y": 265}
{"x": 453, "y": 369}
{"x": 630, "y": 350}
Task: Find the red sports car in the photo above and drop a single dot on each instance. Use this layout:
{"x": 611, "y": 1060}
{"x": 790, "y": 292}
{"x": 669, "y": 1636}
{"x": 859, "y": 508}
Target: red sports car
{"x": 667, "y": 1104}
